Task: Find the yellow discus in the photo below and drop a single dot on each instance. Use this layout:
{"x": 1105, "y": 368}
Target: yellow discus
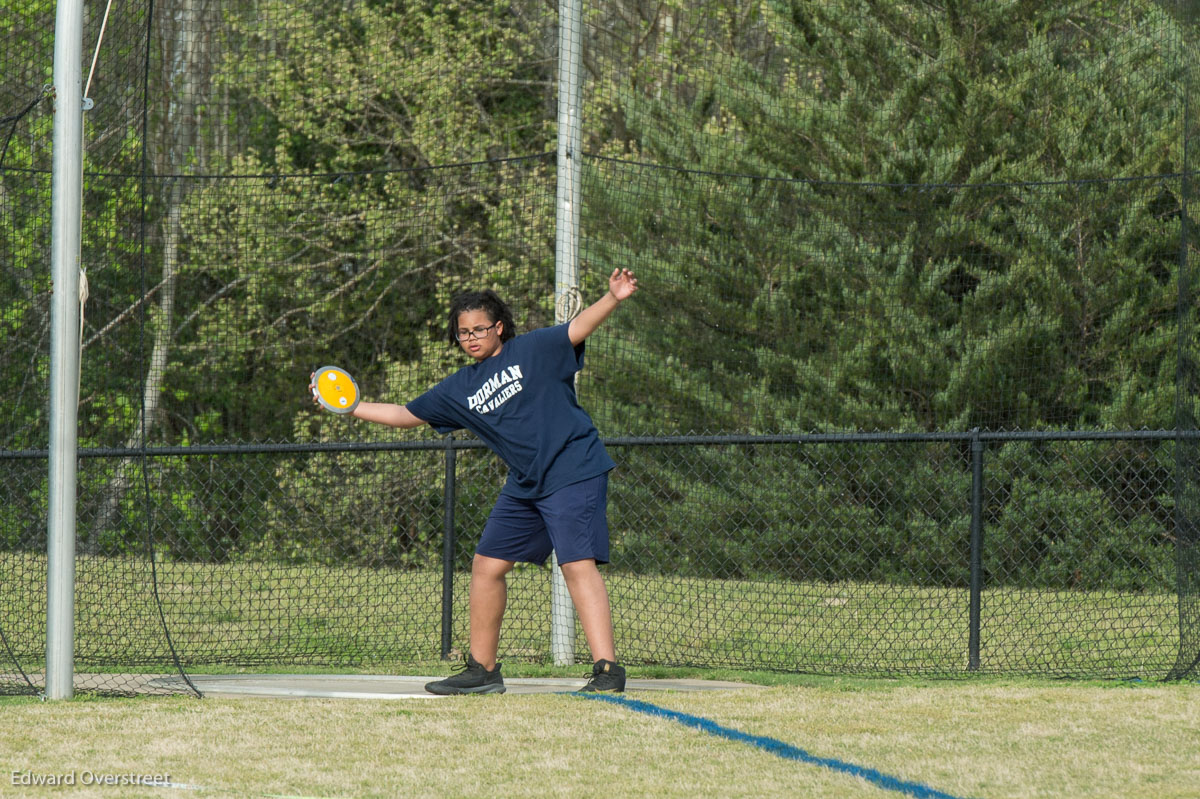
{"x": 335, "y": 389}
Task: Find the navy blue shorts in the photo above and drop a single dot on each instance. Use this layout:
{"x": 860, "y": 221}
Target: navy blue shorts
{"x": 573, "y": 521}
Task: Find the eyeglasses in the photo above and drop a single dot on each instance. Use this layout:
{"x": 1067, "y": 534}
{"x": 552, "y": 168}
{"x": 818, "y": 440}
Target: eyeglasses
{"x": 477, "y": 332}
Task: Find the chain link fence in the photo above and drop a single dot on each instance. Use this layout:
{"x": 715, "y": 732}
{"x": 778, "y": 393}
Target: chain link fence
{"x": 909, "y": 387}
{"x": 874, "y": 555}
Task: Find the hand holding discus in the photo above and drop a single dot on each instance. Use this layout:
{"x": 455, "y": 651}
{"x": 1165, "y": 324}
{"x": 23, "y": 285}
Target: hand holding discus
{"x": 334, "y": 389}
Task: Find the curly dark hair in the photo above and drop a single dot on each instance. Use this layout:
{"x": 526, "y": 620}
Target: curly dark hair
{"x": 486, "y": 300}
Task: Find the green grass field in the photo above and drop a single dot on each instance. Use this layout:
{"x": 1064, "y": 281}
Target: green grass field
{"x": 984, "y": 738}
{"x": 265, "y": 615}
{"x": 980, "y": 737}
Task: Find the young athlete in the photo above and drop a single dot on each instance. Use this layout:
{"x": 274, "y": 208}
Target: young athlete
{"x": 519, "y": 398}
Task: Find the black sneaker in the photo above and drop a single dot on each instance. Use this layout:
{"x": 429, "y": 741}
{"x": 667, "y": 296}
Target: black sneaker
{"x": 472, "y": 678}
{"x": 606, "y": 676}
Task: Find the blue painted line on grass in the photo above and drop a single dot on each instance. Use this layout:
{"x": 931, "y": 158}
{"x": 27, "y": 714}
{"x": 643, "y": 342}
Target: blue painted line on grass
{"x": 776, "y": 747}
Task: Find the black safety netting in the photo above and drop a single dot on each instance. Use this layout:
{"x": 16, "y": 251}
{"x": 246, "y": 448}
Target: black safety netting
{"x": 908, "y": 388}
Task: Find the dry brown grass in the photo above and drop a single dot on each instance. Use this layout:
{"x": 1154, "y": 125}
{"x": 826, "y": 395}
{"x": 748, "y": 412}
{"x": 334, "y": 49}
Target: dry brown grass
{"x": 993, "y": 740}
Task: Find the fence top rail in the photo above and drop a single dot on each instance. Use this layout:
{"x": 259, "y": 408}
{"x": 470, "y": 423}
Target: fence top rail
{"x": 888, "y": 438}
{"x": 452, "y": 443}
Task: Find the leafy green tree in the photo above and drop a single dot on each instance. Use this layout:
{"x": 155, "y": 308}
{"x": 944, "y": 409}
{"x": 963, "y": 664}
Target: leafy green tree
{"x": 848, "y": 215}
{"x": 26, "y": 47}
{"x": 376, "y": 178}
{"x": 915, "y": 249}
{"x": 858, "y": 216}
{"x": 337, "y": 243}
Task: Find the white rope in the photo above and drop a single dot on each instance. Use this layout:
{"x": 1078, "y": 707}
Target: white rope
{"x": 83, "y": 281}
{"x": 83, "y": 295}
{"x": 96, "y": 55}
{"x": 568, "y": 305}
{"x": 83, "y": 274}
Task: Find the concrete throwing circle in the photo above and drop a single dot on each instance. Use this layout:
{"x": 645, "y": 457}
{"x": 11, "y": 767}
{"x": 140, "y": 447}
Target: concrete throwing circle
{"x": 369, "y": 686}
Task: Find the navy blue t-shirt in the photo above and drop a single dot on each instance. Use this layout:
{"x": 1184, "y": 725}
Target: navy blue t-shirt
{"x": 521, "y": 403}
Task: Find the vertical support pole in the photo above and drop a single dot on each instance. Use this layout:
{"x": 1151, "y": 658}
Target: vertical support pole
{"x": 976, "y": 548}
{"x": 566, "y": 260}
{"x": 1187, "y": 484}
{"x": 448, "y": 541}
{"x": 562, "y": 617}
{"x": 65, "y": 236}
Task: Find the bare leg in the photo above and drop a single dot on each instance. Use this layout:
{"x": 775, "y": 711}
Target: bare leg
{"x": 489, "y": 593}
{"x": 591, "y": 603}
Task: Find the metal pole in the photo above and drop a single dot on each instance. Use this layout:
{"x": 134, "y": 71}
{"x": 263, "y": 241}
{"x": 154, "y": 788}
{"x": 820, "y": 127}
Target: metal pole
{"x": 65, "y": 235}
{"x": 448, "y": 549}
{"x": 976, "y": 550}
{"x": 566, "y": 260}
{"x": 1187, "y": 537}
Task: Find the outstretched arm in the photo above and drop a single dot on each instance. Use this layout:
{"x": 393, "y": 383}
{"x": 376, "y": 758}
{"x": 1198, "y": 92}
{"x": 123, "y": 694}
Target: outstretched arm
{"x": 378, "y": 412}
{"x": 386, "y": 413}
{"x": 621, "y": 286}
